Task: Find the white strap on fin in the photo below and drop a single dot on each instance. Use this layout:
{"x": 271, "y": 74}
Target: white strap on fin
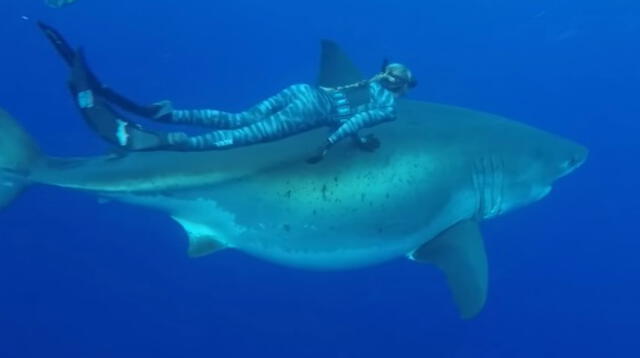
{"x": 459, "y": 253}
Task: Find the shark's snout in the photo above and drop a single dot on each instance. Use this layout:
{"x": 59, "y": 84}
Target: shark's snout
{"x": 577, "y": 158}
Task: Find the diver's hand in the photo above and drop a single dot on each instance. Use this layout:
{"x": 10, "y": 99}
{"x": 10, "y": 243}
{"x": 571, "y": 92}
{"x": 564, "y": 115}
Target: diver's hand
{"x": 162, "y": 110}
{"x": 369, "y": 143}
{"x": 320, "y": 154}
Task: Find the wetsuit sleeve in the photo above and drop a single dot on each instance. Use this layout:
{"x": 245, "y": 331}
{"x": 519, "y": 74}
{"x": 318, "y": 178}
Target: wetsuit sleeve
{"x": 361, "y": 120}
{"x": 380, "y": 109}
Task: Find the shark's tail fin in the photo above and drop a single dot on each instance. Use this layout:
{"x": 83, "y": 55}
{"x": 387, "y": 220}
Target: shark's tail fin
{"x": 18, "y": 153}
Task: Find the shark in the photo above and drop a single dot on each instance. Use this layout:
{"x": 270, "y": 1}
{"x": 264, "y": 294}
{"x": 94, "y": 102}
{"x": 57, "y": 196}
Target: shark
{"x": 441, "y": 170}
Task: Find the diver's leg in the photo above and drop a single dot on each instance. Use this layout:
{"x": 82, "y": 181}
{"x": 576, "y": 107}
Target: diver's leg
{"x": 294, "y": 119}
{"x": 225, "y": 120}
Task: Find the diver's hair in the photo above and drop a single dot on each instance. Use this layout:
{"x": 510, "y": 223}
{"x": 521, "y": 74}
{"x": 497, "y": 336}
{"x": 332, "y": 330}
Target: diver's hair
{"x": 386, "y": 69}
{"x": 356, "y": 84}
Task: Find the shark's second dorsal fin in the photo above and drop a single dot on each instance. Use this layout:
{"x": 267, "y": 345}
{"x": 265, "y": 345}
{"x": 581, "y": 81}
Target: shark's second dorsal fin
{"x": 459, "y": 253}
{"x": 336, "y": 69}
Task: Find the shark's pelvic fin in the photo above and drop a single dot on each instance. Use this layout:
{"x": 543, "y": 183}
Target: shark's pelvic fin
{"x": 207, "y": 225}
{"x": 459, "y": 253}
{"x": 202, "y": 241}
{"x": 336, "y": 69}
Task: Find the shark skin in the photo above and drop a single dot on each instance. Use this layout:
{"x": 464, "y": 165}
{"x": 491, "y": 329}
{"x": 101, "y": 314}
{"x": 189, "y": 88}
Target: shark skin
{"x": 440, "y": 171}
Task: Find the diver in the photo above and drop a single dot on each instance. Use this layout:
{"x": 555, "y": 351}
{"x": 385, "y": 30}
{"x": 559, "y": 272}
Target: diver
{"x": 298, "y": 108}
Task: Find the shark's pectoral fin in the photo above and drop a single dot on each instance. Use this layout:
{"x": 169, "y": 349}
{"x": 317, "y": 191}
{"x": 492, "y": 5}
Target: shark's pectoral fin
{"x": 202, "y": 241}
{"x": 459, "y": 253}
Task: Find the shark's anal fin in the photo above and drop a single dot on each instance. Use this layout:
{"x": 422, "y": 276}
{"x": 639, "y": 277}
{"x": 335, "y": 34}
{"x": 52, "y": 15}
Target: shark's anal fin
{"x": 459, "y": 252}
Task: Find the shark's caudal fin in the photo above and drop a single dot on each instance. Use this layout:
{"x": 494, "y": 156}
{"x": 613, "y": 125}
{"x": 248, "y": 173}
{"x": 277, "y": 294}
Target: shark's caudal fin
{"x": 459, "y": 253}
{"x": 18, "y": 152}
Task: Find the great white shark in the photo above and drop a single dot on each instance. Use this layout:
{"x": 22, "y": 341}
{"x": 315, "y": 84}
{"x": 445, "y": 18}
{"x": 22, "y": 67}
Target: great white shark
{"x": 439, "y": 172}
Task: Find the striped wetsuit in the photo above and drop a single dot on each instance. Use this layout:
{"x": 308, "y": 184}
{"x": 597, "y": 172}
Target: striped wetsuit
{"x": 297, "y": 109}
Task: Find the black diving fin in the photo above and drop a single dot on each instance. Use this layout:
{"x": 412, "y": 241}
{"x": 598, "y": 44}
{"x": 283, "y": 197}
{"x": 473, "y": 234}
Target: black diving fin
{"x": 69, "y": 55}
{"x": 101, "y": 117}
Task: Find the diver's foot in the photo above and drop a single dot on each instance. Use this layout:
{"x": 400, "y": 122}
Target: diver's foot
{"x": 172, "y": 141}
{"x": 161, "y": 111}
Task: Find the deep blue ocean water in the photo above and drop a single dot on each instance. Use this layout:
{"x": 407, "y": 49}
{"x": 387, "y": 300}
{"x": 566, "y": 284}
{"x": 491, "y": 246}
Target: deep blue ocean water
{"x": 81, "y": 279}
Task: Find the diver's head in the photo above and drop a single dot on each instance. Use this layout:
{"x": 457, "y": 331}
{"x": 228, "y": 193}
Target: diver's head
{"x": 397, "y": 78}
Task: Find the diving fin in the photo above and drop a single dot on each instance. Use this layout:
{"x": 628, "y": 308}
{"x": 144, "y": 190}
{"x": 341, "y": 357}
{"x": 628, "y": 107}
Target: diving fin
{"x": 102, "y": 118}
{"x": 59, "y": 43}
{"x": 459, "y": 253}
{"x": 69, "y": 56}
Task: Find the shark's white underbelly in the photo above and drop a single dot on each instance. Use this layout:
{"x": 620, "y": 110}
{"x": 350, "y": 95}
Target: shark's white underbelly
{"x": 300, "y": 241}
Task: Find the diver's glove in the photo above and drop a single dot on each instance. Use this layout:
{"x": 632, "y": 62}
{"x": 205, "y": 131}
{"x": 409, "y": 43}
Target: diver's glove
{"x": 369, "y": 143}
{"x": 161, "y": 111}
{"x": 320, "y": 154}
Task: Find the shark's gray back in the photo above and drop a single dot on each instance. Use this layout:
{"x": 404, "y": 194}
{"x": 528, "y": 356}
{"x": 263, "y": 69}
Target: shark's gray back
{"x": 425, "y": 129}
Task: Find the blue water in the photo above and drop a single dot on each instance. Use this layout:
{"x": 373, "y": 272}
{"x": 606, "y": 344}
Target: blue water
{"x": 80, "y": 279}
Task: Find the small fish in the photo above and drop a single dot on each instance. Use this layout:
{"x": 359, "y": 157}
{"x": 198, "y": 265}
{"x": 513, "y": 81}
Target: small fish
{"x": 58, "y": 3}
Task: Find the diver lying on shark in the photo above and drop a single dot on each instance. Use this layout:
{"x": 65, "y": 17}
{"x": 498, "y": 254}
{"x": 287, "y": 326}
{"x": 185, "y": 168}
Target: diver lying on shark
{"x": 346, "y": 109}
{"x": 421, "y": 195}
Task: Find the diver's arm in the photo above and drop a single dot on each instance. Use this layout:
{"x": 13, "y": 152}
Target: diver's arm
{"x": 380, "y": 109}
{"x": 350, "y": 129}
{"x": 362, "y": 120}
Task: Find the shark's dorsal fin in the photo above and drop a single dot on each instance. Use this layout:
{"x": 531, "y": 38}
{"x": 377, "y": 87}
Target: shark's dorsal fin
{"x": 336, "y": 69}
{"x": 459, "y": 253}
